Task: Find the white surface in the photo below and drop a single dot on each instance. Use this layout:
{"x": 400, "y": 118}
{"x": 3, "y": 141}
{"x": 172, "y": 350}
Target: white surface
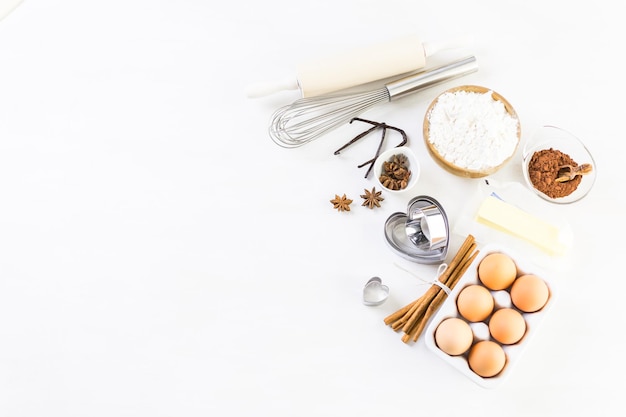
{"x": 161, "y": 256}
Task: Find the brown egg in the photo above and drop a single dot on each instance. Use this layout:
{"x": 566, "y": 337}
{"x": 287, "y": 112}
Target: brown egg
{"x": 454, "y": 336}
{"x": 486, "y": 358}
{"x": 507, "y": 326}
{"x": 529, "y": 293}
{"x": 475, "y": 303}
{"x": 497, "y": 271}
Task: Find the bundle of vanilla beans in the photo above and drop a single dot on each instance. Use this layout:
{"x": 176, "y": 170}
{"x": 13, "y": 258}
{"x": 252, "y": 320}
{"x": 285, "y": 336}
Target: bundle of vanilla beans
{"x": 412, "y": 318}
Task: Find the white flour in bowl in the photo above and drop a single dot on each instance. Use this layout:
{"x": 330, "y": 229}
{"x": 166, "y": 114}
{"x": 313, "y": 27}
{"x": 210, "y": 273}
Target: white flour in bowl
{"x": 472, "y": 130}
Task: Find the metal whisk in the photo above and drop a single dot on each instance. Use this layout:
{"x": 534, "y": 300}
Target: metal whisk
{"x": 309, "y": 118}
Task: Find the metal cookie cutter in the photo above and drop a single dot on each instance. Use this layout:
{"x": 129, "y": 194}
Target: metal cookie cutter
{"x": 421, "y": 235}
{"x": 375, "y": 292}
{"x": 426, "y": 225}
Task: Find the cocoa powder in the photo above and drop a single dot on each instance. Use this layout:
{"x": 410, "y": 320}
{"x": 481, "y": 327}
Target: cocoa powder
{"x": 543, "y": 170}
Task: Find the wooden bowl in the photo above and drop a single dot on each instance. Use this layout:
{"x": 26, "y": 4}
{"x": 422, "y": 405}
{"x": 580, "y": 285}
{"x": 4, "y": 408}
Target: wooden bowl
{"x": 460, "y": 170}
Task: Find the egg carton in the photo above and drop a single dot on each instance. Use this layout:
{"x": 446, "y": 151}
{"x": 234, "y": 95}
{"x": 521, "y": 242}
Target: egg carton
{"x": 480, "y": 329}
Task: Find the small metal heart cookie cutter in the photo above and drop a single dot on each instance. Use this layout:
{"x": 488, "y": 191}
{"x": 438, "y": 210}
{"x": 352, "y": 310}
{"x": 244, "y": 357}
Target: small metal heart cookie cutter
{"x": 375, "y": 292}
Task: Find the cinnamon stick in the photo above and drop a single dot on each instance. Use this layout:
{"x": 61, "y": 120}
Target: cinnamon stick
{"x": 468, "y": 244}
{"x": 425, "y": 300}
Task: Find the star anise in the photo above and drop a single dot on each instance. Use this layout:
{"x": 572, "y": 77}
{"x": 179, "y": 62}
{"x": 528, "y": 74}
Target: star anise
{"x": 341, "y": 203}
{"x": 395, "y": 173}
{"x": 372, "y": 198}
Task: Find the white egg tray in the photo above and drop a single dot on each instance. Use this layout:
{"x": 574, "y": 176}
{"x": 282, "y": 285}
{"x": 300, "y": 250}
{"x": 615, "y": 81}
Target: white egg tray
{"x": 481, "y": 330}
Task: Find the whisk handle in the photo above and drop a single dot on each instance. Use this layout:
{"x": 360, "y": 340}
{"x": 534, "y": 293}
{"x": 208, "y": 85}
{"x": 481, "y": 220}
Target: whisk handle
{"x": 428, "y": 78}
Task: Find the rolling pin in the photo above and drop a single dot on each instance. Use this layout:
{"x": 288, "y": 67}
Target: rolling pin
{"x": 347, "y": 69}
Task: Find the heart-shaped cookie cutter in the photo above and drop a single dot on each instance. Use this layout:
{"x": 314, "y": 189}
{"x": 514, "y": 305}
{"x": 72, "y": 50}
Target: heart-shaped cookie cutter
{"x": 375, "y": 292}
{"x": 422, "y": 234}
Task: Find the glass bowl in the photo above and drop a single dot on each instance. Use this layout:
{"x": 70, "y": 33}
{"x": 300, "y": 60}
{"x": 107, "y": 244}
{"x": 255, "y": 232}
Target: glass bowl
{"x": 465, "y": 125}
{"x": 569, "y": 149}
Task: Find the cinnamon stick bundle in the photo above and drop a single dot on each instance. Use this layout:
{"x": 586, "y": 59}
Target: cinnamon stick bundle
{"x": 412, "y": 318}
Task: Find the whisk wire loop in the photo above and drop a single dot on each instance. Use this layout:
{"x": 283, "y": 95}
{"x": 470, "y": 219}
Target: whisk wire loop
{"x": 308, "y": 118}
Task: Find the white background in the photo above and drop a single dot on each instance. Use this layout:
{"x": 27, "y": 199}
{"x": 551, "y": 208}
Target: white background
{"x": 161, "y": 256}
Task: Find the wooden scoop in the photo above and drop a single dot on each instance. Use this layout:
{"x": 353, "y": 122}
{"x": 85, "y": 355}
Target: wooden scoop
{"x": 569, "y": 172}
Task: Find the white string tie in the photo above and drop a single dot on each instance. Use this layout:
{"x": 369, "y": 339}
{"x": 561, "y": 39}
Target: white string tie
{"x": 440, "y": 270}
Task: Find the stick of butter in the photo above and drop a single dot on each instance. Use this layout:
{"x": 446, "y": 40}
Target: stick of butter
{"x": 505, "y": 217}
